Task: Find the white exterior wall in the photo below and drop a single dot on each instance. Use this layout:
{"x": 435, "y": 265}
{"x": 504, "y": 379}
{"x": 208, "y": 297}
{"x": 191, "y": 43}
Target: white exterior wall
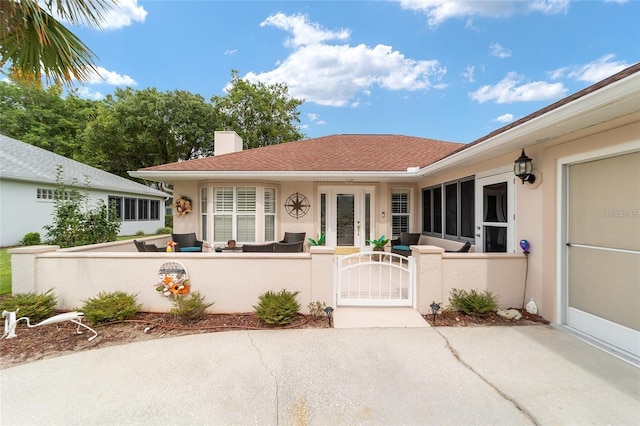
{"x": 21, "y": 212}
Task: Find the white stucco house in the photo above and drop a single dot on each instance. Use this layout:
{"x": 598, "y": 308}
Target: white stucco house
{"x": 28, "y": 182}
{"x": 580, "y": 214}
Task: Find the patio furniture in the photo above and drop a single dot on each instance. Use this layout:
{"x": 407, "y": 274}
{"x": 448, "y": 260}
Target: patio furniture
{"x": 402, "y": 244}
{"x": 258, "y": 248}
{"x": 139, "y": 245}
{"x": 187, "y": 242}
{"x": 293, "y": 237}
{"x": 152, "y": 247}
{"x": 464, "y": 249}
{"x": 295, "y": 247}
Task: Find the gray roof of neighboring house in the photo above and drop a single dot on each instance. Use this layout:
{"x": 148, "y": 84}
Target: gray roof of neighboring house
{"x": 25, "y": 162}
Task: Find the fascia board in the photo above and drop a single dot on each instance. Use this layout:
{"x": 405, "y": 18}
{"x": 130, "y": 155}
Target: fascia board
{"x": 270, "y": 175}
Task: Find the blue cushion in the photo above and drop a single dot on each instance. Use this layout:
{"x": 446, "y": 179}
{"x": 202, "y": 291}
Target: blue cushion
{"x": 190, "y": 248}
{"x": 402, "y": 248}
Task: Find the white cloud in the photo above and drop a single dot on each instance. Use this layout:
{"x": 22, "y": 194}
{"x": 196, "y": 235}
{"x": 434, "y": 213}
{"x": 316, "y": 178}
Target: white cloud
{"x": 549, "y": 7}
{"x": 557, "y": 73}
{"x": 315, "y": 118}
{"x": 105, "y": 76}
{"x": 124, "y": 14}
{"x": 508, "y": 91}
{"x": 85, "y": 93}
{"x": 468, "y": 74}
{"x": 504, "y": 118}
{"x": 438, "y": 11}
{"x": 597, "y": 70}
{"x": 333, "y": 74}
{"x": 499, "y": 51}
{"x": 121, "y": 14}
{"x": 230, "y": 52}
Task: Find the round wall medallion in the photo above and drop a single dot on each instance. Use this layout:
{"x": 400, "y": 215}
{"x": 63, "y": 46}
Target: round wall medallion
{"x": 297, "y": 205}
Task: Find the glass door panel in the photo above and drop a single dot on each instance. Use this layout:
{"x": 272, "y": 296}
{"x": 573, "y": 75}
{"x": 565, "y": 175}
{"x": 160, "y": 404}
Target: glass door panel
{"x": 345, "y": 219}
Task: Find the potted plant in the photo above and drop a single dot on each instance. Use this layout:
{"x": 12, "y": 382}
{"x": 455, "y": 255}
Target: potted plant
{"x": 318, "y": 242}
{"x": 378, "y": 245}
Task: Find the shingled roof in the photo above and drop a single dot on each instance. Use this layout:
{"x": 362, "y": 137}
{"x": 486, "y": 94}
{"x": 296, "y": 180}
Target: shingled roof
{"x": 345, "y": 153}
{"x": 25, "y": 162}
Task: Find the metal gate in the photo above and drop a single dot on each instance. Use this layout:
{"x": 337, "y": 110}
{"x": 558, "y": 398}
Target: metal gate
{"x": 375, "y": 279}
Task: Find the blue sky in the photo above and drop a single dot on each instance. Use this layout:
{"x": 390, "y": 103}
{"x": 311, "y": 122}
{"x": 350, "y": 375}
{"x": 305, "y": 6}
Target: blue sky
{"x": 453, "y": 70}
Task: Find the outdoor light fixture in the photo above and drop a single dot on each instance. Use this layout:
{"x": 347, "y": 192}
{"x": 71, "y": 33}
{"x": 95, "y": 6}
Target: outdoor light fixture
{"x": 329, "y": 311}
{"x": 523, "y": 168}
{"x": 435, "y": 307}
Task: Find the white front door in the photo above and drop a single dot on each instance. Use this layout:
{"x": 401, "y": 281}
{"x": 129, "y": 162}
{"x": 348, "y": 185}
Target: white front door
{"x": 347, "y": 216}
{"x": 495, "y": 209}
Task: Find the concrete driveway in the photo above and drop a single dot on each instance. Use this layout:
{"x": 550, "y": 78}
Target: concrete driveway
{"x": 379, "y": 376}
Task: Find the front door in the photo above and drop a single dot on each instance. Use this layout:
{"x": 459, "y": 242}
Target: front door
{"x": 346, "y": 216}
{"x": 495, "y": 213}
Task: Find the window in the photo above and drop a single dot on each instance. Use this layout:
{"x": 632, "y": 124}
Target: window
{"x": 269, "y": 214}
{"x": 399, "y": 212}
{"x": 51, "y": 194}
{"x": 143, "y": 209}
{"x": 116, "y": 202}
{"x": 234, "y": 215}
{"x": 455, "y": 200}
{"x": 154, "y": 213}
{"x": 203, "y": 212}
{"x": 130, "y": 209}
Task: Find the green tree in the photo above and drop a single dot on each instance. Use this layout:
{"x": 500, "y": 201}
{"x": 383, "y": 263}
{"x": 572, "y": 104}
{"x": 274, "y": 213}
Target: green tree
{"x": 36, "y": 45}
{"x": 135, "y": 129}
{"x": 75, "y": 223}
{"x": 44, "y": 118}
{"x": 261, "y": 114}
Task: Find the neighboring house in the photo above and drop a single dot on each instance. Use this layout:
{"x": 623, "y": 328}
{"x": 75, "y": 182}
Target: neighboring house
{"x": 581, "y": 216}
{"x": 28, "y": 183}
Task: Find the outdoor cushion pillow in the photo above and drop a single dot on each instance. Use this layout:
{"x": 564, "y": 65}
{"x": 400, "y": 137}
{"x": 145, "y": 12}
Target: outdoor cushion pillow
{"x": 186, "y": 249}
{"x": 403, "y": 248}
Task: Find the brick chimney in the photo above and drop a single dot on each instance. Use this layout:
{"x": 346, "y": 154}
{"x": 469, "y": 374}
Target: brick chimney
{"x": 226, "y": 141}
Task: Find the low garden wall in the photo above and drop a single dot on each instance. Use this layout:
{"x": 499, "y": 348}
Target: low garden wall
{"x": 234, "y": 281}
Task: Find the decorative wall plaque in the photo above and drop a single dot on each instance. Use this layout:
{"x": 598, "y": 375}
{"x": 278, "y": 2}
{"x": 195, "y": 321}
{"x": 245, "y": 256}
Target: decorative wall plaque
{"x": 297, "y": 205}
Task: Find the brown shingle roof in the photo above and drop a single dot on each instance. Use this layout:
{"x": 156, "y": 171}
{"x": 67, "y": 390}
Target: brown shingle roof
{"x": 350, "y": 153}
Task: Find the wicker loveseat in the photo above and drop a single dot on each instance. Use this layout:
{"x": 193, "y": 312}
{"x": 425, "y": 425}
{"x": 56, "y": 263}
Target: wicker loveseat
{"x": 187, "y": 242}
{"x": 402, "y": 244}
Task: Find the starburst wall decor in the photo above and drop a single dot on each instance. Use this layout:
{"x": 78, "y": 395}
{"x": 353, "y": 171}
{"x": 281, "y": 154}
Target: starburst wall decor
{"x": 297, "y": 205}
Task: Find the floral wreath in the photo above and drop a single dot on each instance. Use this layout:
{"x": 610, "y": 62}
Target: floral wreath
{"x": 174, "y": 280}
{"x": 182, "y": 206}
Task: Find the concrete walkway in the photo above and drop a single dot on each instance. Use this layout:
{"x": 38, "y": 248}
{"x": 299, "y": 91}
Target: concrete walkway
{"x": 377, "y": 376}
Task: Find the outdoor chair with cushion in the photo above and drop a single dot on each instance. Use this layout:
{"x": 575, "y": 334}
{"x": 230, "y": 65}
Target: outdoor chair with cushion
{"x": 187, "y": 242}
{"x": 295, "y": 247}
{"x": 139, "y": 245}
{"x": 151, "y": 247}
{"x": 293, "y": 237}
{"x": 258, "y": 248}
{"x": 402, "y": 244}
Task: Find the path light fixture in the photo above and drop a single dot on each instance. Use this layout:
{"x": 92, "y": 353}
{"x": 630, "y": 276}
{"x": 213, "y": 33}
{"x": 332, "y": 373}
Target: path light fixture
{"x": 523, "y": 168}
{"x": 329, "y": 311}
{"x": 435, "y": 307}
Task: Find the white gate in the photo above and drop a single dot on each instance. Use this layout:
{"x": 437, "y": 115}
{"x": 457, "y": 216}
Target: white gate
{"x": 375, "y": 279}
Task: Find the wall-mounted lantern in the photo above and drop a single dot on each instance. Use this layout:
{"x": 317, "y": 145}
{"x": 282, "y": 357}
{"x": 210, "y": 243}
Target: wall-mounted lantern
{"x": 523, "y": 168}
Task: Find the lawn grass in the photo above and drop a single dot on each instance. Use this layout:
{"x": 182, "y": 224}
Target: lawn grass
{"x": 5, "y": 272}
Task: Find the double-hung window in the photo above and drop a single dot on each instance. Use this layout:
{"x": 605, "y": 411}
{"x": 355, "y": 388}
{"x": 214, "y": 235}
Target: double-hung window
{"x": 269, "y": 214}
{"x": 400, "y": 211}
{"x": 234, "y": 214}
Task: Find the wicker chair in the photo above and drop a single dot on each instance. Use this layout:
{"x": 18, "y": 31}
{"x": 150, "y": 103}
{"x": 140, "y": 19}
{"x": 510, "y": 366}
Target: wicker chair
{"x": 187, "y": 242}
{"x": 402, "y": 245}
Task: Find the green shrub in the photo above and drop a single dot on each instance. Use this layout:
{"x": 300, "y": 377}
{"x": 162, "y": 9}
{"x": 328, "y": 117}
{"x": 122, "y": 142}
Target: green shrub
{"x": 168, "y": 221}
{"x": 35, "y": 306}
{"x": 165, "y": 230}
{"x": 316, "y": 309}
{"x": 107, "y": 307}
{"x": 31, "y": 239}
{"x": 140, "y": 234}
{"x": 190, "y": 308}
{"x": 277, "y": 308}
{"x": 472, "y": 302}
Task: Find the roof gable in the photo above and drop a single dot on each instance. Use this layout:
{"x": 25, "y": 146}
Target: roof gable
{"x": 22, "y": 161}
